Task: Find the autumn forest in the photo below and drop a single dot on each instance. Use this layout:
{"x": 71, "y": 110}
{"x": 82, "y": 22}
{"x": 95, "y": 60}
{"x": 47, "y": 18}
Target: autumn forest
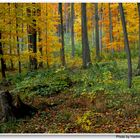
{"x": 69, "y": 67}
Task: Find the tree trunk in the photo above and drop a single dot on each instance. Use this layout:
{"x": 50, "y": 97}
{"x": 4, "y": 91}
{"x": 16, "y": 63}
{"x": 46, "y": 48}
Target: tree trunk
{"x": 40, "y": 50}
{"x": 2, "y": 60}
{"x": 66, "y": 13}
{"x": 10, "y": 49}
{"x": 93, "y": 33}
{"x": 32, "y": 40}
{"x": 18, "y": 52}
{"x": 97, "y": 32}
{"x": 62, "y": 50}
{"x": 67, "y": 17}
{"x": 110, "y": 27}
{"x": 126, "y": 42}
{"x": 11, "y": 111}
{"x": 7, "y": 108}
{"x": 11, "y": 61}
{"x": 18, "y": 48}
{"x": 72, "y": 30}
{"x": 85, "y": 45}
{"x": 100, "y": 30}
{"x": 138, "y": 67}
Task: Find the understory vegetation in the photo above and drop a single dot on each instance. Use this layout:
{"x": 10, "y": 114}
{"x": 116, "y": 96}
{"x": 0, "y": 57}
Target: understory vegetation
{"x": 71, "y": 100}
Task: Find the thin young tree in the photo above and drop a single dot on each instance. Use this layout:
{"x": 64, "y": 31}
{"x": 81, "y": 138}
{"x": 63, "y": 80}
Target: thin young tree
{"x": 97, "y": 32}
{"x": 110, "y": 26}
{"x": 62, "y": 50}
{"x": 101, "y": 29}
{"x": 32, "y": 40}
{"x": 10, "y": 46}
{"x": 85, "y": 45}
{"x": 72, "y": 30}
{"x": 17, "y": 28}
{"x": 47, "y": 36}
{"x": 138, "y": 67}
{"x": 39, "y": 13}
{"x": 126, "y": 42}
{"x": 2, "y": 60}
{"x": 40, "y": 50}
{"x": 93, "y": 31}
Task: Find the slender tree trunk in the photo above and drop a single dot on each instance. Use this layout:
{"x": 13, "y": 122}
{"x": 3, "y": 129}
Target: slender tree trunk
{"x": 85, "y": 44}
{"x": 93, "y": 33}
{"x": 18, "y": 48}
{"x": 126, "y": 42}
{"x": 68, "y": 19}
{"x": 62, "y": 50}
{"x": 97, "y": 32}
{"x": 138, "y": 67}
{"x": 40, "y": 50}
{"x": 22, "y": 26}
{"x": 100, "y": 30}
{"x": 2, "y": 60}
{"x": 47, "y": 54}
{"x": 32, "y": 40}
{"x": 11, "y": 61}
{"x": 10, "y": 49}
{"x": 18, "y": 52}
{"x": 72, "y": 30}
{"x": 40, "y": 39}
{"x": 110, "y": 27}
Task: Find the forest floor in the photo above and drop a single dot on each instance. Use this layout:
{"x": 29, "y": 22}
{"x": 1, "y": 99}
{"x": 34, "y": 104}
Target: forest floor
{"x": 98, "y": 104}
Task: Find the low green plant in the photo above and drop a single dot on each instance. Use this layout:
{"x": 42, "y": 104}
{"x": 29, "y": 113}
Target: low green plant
{"x": 85, "y": 121}
{"x": 63, "y": 116}
{"x": 9, "y": 127}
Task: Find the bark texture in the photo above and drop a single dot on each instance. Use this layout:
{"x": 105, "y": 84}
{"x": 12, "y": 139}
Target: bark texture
{"x": 32, "y": 40}
{"x": 2, "y": 60}
{"x": 62, "y": 50}
{"x": 85, "y": 45}
{"x": 11, "y": 110}
{"x": 97, "y": 31}
{"x": 72, "y": 30}
{"x": 126, "y": 42}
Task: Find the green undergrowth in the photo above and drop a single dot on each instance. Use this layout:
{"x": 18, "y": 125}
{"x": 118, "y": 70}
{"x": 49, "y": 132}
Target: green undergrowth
{"x": 109, "y": 78}
{"x": 44, "y": 83}
{"x": 86, "y": 100}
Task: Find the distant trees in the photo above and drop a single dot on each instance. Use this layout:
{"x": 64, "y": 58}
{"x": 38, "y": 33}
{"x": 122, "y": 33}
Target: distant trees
{"x": 85, "y": 45}
{"x": 126, "y": 42}
{"x": 36, "y": 35}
